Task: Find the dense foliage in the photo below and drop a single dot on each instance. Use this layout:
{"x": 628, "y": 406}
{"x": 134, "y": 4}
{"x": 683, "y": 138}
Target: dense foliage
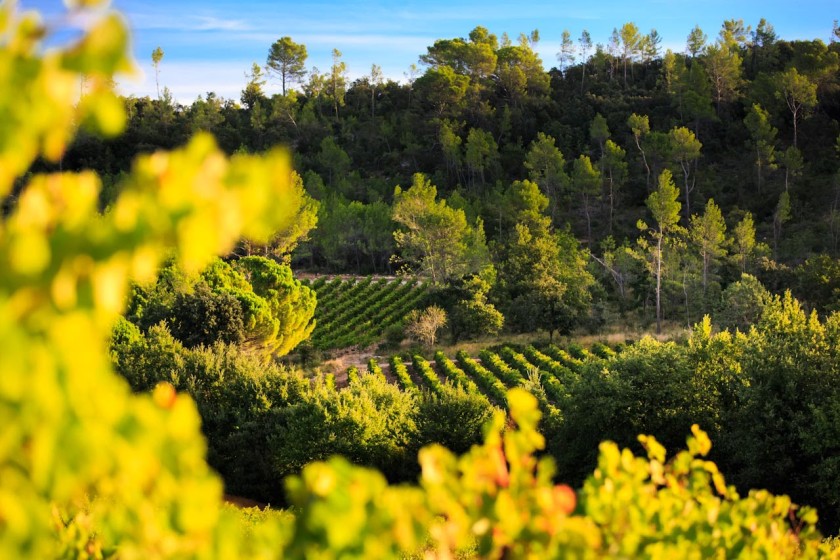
{"x": 767, "y": 395}
{"x": 252, "y": 301}
{"x": 90, "y": 470}
{"x": 87, "y": 469}
{"x": 744, "y": 118}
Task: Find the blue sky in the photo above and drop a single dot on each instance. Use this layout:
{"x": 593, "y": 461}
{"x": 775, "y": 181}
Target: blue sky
{"x": 209, "y": 46}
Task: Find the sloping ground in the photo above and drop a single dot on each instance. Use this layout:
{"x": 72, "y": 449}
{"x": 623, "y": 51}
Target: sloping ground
{"x": 493, "y": 372}
{"x": 358, "y": 311}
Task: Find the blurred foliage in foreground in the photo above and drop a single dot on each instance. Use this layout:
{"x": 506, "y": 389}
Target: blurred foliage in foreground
{"x": 90, "y": 471}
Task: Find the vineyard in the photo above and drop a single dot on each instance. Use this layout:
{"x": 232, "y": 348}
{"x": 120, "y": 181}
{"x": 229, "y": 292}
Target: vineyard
{"x": 358, "y": 311}
{"x": 546, "y": 373}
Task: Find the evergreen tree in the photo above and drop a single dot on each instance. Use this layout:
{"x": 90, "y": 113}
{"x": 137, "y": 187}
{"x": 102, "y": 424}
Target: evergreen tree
{"x": 763, "y": 139}
{"x": 287, "y": 60}
{"x": 542, "y": 273}
{"x": 744, "y": 240}
{"x": 640, "y": 126}
{"x": 435, "y": 238}
{"x": 157, "y": 56}
{"x": 799, "y": 94}
{"x": 614, "y": 169}
{"x": 685, "y": 149}
{"x": 780, "y": 217}
{"x": 664, "y": 207}
{"x": 708, "y": 233}
{"x": 586, "y": 181}
{"x": 545, "y": 164}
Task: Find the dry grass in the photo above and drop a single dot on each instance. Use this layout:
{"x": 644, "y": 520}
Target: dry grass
{"x": 611, "y": 337}
{"x": 337, "y": 362}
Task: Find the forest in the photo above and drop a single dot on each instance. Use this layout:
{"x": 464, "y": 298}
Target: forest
{"x": 745, "y": 122}
{"x": 499, "y": 242}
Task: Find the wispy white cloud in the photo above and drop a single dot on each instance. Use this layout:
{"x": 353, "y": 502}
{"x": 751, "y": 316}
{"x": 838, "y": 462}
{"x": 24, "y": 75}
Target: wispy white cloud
{"x": 186, "y": 23}
{"x": 228, "y": 35}
{"x": 548, "y": 12}
{"x": 211, "y": 23}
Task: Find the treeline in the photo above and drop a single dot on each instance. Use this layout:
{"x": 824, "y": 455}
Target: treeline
{"x": 745, "y": 119}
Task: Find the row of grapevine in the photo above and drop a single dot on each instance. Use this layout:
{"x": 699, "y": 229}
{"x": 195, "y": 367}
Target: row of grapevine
{"x": 357, "y": 313}
{"x": 350, "y": 297}
{"x": 553, "y": 389}
{"x": 324, "y": 288}
{"x": 494, "y": 389}
{"x": 400, "y": 371}
{"x": 602, "y": 350}
{"x": 545, "y": 373}
{"x": 564, "y": 358}
{"x": 455, "y": 374}
{"x": 374, "y": 368}
{"x": 355, "y": 374}
{"x": 502, "y": 370}
{"x": 560, "y": 374}
{"x": 427, "y": 374}
{"x": 578, "y": 352}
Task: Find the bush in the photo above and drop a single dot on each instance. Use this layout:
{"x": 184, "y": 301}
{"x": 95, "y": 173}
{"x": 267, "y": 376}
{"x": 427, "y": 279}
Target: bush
{"x": 453, "y": 418}
{"x": 255, "y": 301}
{"x": 741, "y": 304}
{"x": 394, "y": 335}
{"x": 205, "y": 317}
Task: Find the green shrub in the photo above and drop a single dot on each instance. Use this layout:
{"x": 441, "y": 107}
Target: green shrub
{"x": 453, "y": 418}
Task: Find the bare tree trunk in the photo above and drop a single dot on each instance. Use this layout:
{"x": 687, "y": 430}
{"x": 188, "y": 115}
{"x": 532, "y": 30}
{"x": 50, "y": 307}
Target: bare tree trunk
{"x": 687, "y": 192}
{"x": 617, "y": 276}
{"x": 659, "y": 285}
{"x": 612, "y": 203}
{"x": 625, "y": 72}
{"x": 644, "y": 160}
{"x": 588, "y": 221}
{"x": 582, "y": 76}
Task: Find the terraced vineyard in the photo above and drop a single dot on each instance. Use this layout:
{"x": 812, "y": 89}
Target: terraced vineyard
{"x": 357, "y": 311}
{"x": 547, "y": 372}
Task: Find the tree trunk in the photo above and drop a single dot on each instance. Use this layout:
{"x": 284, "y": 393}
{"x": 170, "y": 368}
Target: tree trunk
{"x": 612, "y": 203}
{"x": 659, "y": 284}
{"x": 588, "y": 221}
{"x": 644, "y": 160}
{"x": 687, "y": 194}
{"x": 625, "y": 72}
{"x": 582, "y": 76}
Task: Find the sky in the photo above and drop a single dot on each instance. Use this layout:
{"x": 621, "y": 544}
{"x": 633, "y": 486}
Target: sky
{"x": 210, "y": 46}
